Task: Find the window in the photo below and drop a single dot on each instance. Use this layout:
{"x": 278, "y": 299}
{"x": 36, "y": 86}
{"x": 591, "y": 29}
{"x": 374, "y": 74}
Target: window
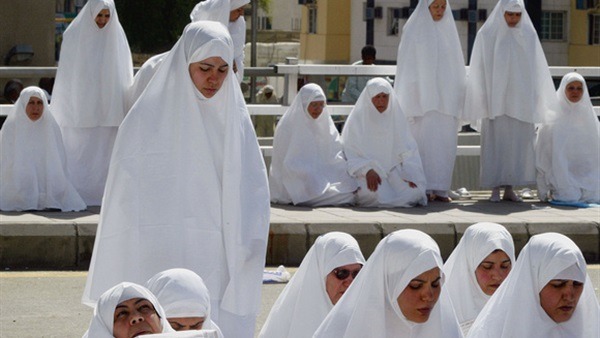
{"x": 393, "y": 21}
{"x": 553, "y": 26}
{"x": 594, "y": 29}
{"x": 264, "y": 23}
{"x": 312, "y": 20}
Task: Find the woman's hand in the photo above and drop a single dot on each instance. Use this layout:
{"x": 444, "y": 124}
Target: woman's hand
{"x": 373, "y": 180}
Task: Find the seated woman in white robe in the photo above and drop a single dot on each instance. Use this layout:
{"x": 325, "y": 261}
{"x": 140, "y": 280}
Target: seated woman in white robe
{"x": 476, "y": 268}
{"x": 568, "y": 147}
{"x": 382, "y": 154}
{"x": 547, "y": 295}
{"x": 127, "y": 310}
{"x": 308, "y": 165}
{"x": 398, "y": 293}
{"x": 33, "y": 165}
{"x": 325, "y": 274}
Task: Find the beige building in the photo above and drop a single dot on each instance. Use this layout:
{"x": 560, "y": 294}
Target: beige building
{"x": 584, "y": 37}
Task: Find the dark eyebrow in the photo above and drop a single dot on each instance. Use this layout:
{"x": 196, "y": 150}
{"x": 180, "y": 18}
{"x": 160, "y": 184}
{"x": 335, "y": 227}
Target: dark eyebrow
{"x": 140, "y": 300}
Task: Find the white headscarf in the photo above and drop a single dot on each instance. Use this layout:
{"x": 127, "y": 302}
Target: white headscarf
{"x": 95, "y": 71}
{"x": 568, "y": 147}
{"x": 307, "y": 153}
{"x": 33, "y": 167}
{"x": 182, "y": 293}
{"x": 430, "y": 72}
{"x": 102, "y": 322}
{"x": 369, "y": 308}
{"x": 187, "y": 184}
{"x": 509, "y": 74}
{"x": 304, "y": 303}
{"x": 515, "y": 311}
{"x": 143, "y": 77}
{"x": 478, "y": 241}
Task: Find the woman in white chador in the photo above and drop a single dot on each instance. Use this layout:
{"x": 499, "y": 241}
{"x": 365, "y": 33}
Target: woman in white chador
{"x": 430, "y": 84}
{"x": 568, "y": 147}
{"x": 548, "y": 294}
{"x": 398, "y": 293}
{"x": 382, "y": 154}
{"x": 33, "y": 165}
{"x": 476, "y": 268}
{"x": 90, "y": 94}
{"x": 509, "y": 88}
{"x": 187, "y": 185}
{"x": 185, "y": 299}
{"x": 308, "y": 165}
{"x": 315, "y": 288}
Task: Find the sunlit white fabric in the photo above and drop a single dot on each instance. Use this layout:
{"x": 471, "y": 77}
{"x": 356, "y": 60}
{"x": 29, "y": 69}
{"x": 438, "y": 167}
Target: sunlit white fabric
{"x": 143, "y": 76}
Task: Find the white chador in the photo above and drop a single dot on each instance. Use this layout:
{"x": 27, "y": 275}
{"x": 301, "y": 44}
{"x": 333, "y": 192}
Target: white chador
{"x": 182, "y": 294}
{"x": 515, "y": 311}
{"x": 382, "y": 142}
{"x": 90, "y": 95}
{"x": 308, "y": 165}
{"x": 33, "y": 165}
{"x": 478, "y": 241}
{"x": 143, "y": 77}
{"x": 187, "y": 188}
{"x": 509, "y": 88}
{"x": 304, "y": 303}
{"x": 568, "y": 150}
{"x": 430, "y": 84}
{"x": 369, "y": 308}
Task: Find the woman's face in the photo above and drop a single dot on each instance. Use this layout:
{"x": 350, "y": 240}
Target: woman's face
{"x": 102, "y": 18}
{"x": 236, "y": 13}
{"x": 135, "y": 317}
{"x": 315, "y": 108}
{"x": 186, "y": 323}
{"x": 339, "y": 280}
{"x": 512, "y": 18}
{"x": 437, "y": 9}
{"x": 559, "y": 298}
{"x": 381, "y": 101}
{"x": 574, "y": 91}
{"x": 208, "y": 75}
{"x": 34, "y": 108}
{"x": 492, "y": 271}
{"x": 420, "y": 295}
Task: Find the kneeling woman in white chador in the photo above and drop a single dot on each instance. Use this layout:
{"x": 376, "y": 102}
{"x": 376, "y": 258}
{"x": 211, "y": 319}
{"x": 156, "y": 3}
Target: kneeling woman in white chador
{"x": 327, "y": 271}
{"x": 548, "y": 294}
{"x": 127, "y": 310}
{"x": 398, "y": 293}
{"x": 476, "y": 268}
{"x": 33, "y": 165}
{"x": 382, "y": 154}
{"x": 568, "y": 147}
{"x": 308, "y": 165}
{"x": 187, "y": 185}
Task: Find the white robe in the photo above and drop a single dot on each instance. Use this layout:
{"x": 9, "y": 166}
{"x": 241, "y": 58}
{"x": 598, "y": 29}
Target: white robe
{"x": 515, "y": 311}
{"x": 308, "y": 165}
{"x": 143, "y": 77}
{"x": 33, "y": 165}
{"x": 430, "y": 84}
{"x": 188, "y": 188}
{"x": 369, "y": 308}
{"x": 304, "y": 303}
{"x": 568, "y": 150}
{"x": 382, "y": 142}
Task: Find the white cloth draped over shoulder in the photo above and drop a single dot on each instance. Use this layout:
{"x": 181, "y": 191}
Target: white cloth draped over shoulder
{"x": 478, "y": 241}
{"x": 369, "y": 308}
{"x": 515, "y": 311}
{"x": 187, "y": 186}
{"x": 143, "y": 77}
{"x": 33, "y": 164}
{"x": 308, "y": 164}
{"x": 101, "y": 325}
{"x": 568, "y": 149}
{"x": 304, "y": 303}
{"x": 382, "y": 142}
{"x": 182, "y": 293}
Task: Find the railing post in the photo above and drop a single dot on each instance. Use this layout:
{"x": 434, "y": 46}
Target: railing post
{"x": 290, "y": 83}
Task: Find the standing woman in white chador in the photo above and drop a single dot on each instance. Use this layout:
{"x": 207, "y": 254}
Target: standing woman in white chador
{"x": 430, "y": 84}
{"x": 187, "y": 184}
{"x": 568, "y": 147}
{"x": 509, "y": 88}
{"x": 308, "y": 166}
{"x": 89, "y": 99}
{"x": 382, "y": 154}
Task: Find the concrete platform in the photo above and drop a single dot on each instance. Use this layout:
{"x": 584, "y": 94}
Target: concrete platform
{"x": 64, "y": 241}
